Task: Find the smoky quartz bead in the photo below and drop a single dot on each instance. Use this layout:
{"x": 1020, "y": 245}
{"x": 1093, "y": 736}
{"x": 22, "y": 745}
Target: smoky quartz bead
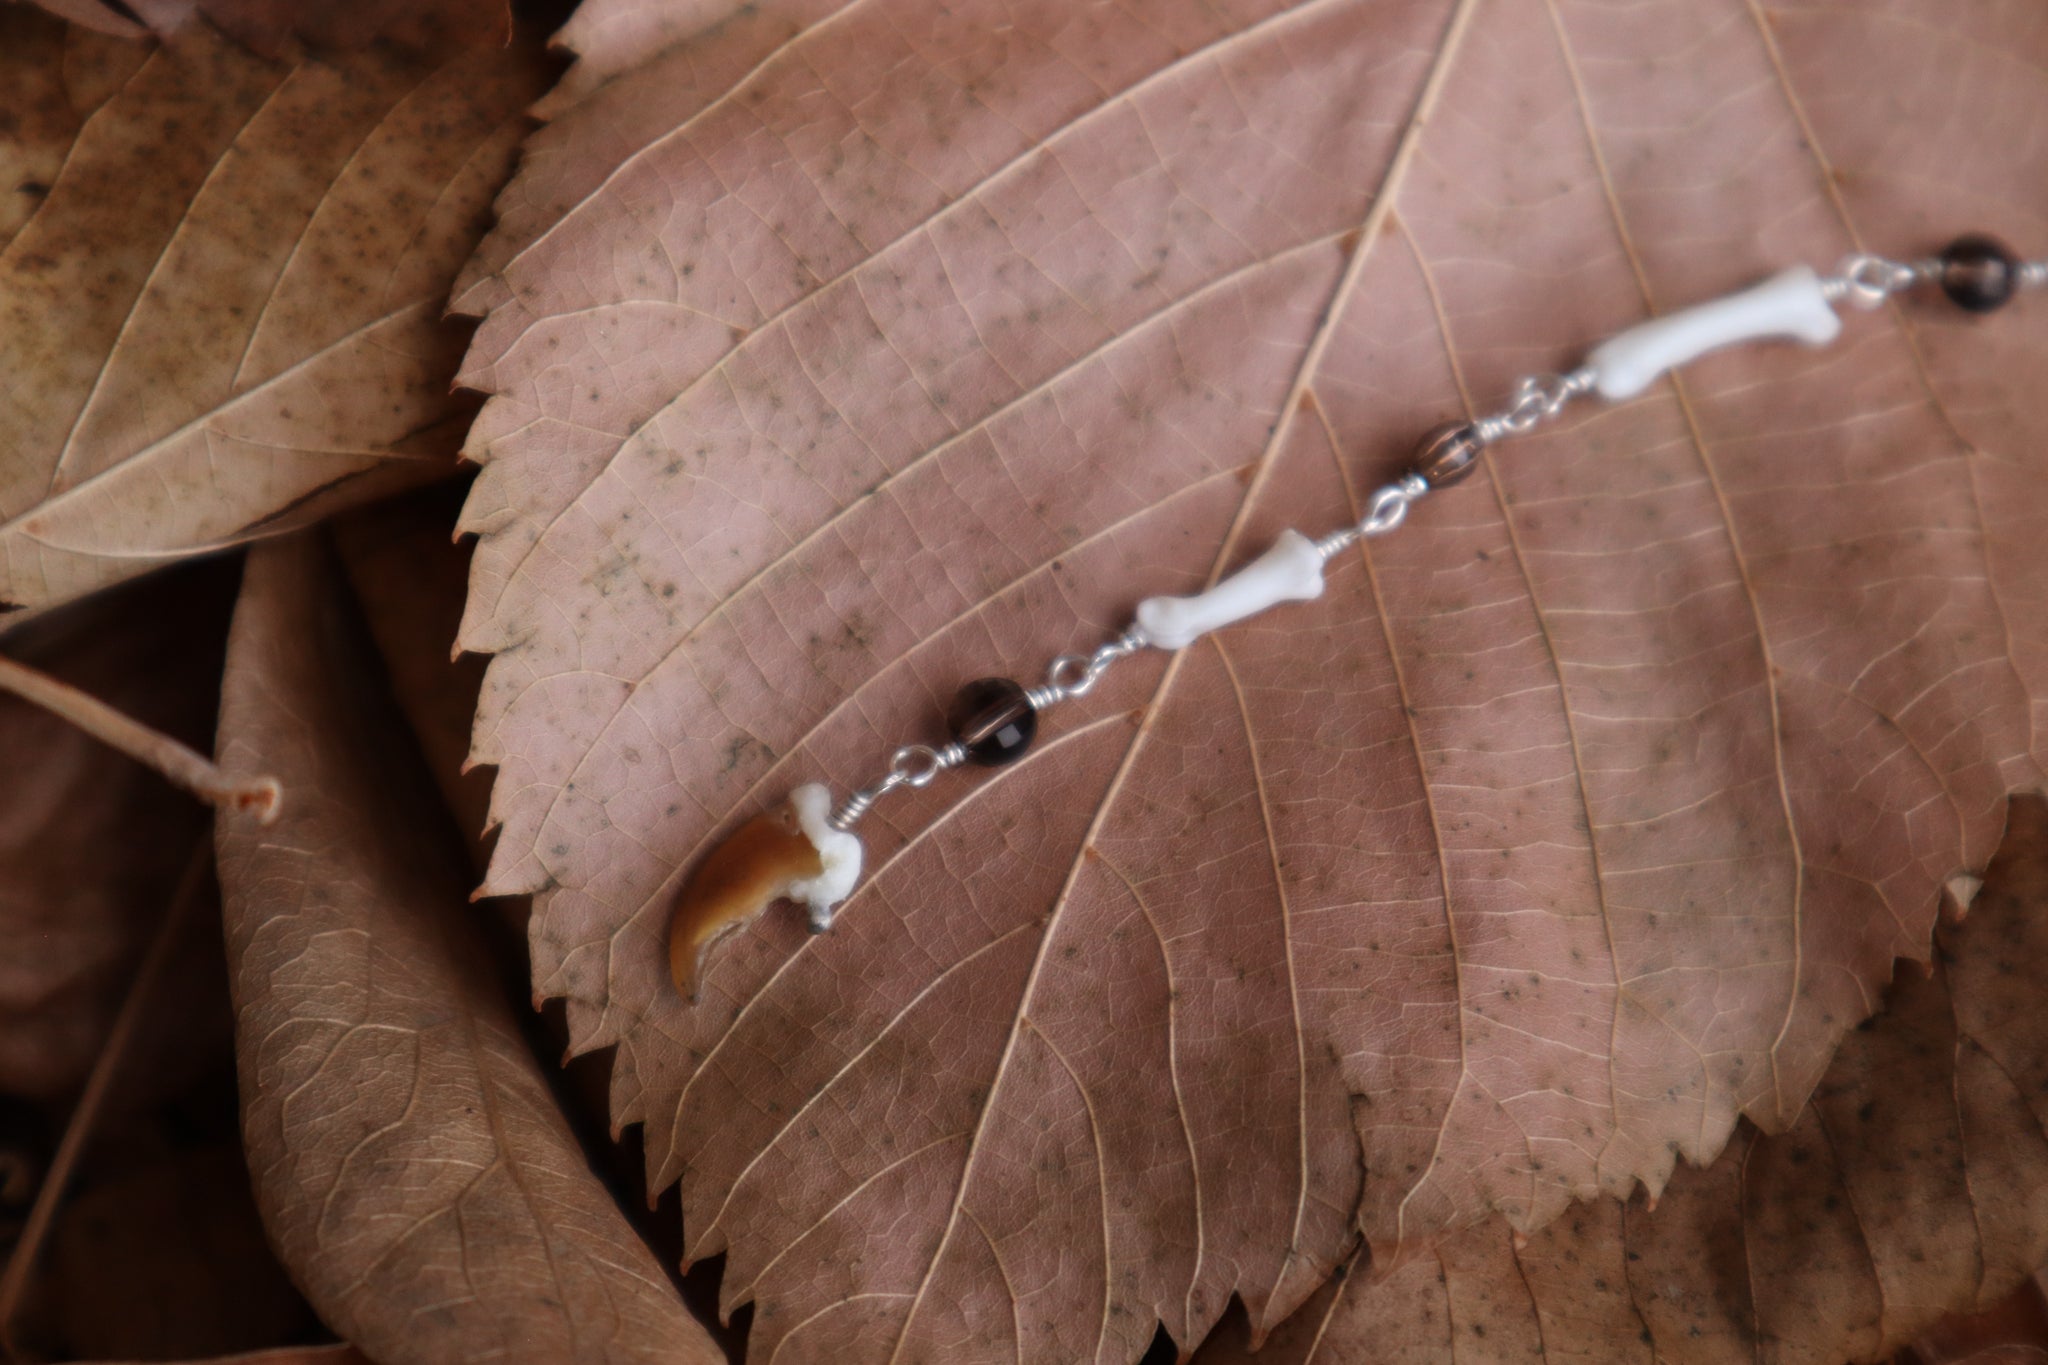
{"x": 1448, "y": 453}
{"x": 1979, "y": 273}
{"x": 993, "y": 721}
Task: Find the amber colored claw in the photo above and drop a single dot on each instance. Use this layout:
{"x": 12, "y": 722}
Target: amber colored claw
{"x": 756, "y": 866}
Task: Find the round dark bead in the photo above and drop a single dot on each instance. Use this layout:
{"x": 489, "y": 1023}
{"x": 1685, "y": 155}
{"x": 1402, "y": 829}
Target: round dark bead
{"x": 993, "y": 721}
{"x": 1448, "y": 453}
{"x": 1979, "y": 273}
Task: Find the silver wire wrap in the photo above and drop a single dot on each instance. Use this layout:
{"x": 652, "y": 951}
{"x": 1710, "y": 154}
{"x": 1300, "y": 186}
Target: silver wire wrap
{"x": 1387, "y": 509}
{"x": 913, "y": 765}
{"x": 1071, "y": 675}
{"x": 1538, "y": 399}
{"x": 1862, "y": 280}
{"x": 1867, "y": 281}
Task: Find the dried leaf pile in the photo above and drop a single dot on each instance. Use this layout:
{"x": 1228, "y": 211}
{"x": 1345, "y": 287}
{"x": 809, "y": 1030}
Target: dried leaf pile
{"x": 1532, "y": 948}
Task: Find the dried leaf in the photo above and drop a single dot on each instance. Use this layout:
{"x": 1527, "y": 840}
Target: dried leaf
{"x": 224, "y": 317}
{"x": 269, "y": 25}
{"x": 2013, "y": 1331}
{"x": 411, "y": 1165}
{"x": 96, "y": 16}
{"x": 73, "y": 920}
{"x": 168, "y": 1259}
{"x": 1913, "y": 1187}
{"x": 409, "y": 577}
{"x": 841, "y": 354}
{"x": 290, "y": 1355}
{"x": 45, "y": 101}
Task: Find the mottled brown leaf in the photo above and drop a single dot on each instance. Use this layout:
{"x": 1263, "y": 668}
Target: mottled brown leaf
{"x": 223, "y": 317}
{"x": 95, "y": 16}
{"x": 1913, "y": 1187}
{"x": 840, "y": 354}
{"x": 45, "y": 101}
{"x": 269, "y": 25}
{"x": 410, "y": 1163}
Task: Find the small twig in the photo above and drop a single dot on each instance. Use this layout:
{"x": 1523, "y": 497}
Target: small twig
{"x": 106, "y": 1070}
{"x": 185, "y": 767}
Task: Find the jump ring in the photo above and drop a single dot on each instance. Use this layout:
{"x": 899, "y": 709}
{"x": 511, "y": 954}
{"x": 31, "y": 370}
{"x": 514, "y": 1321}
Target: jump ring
{"x": 1072, "y": 674}
{"x": 914, "y": 765}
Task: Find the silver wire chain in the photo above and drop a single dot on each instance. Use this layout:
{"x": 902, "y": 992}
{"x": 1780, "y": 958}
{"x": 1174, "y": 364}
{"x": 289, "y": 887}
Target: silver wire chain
{"x": 1387, "y": 508}
{"x": 1538, "y": 399}
{"x": 913, "y": 765}
{"x": 1862, "y": 279}
{"x": 1071, "y": 675}
{"x": 1866, "y": 280}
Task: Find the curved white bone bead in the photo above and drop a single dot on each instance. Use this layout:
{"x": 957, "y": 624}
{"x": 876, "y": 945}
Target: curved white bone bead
{"x": 838, "y": 854}
{"x": 1291, "y": 571}
{"x": 1790, "y": 304}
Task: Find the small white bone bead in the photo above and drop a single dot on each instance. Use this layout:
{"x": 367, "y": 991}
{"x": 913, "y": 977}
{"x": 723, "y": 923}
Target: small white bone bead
{"x": 1789, "y": 304}
{"x": 838, "y": 854}
{"x": 1291, "y": 571}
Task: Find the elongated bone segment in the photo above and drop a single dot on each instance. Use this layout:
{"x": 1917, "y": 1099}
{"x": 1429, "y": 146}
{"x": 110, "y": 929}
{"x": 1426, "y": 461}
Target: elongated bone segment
{"x": 790, "y": 852}
{"x": 1789, "y": 304}
{"x": 1292, "y": 571}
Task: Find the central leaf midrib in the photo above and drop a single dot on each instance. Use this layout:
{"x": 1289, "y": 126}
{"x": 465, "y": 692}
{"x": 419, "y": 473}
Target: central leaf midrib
{"x": 1382, "y": 204}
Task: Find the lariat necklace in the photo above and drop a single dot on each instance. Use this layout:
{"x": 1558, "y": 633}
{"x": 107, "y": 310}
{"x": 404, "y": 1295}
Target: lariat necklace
{"x": 805, "y": 850}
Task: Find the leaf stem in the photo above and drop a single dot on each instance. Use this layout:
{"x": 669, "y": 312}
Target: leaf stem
{"x": 183, "y": 766}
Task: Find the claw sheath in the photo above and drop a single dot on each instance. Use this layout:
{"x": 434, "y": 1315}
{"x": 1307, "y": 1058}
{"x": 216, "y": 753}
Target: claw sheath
{"x": 758, "y": 864}
{"x": 793, "y": 851}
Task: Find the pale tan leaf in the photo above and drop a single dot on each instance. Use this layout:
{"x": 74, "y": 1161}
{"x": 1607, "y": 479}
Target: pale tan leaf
{"x": 1913, "y": 1188}
{"x": 411, "y": 1165}
{"x": 840, "y": 354}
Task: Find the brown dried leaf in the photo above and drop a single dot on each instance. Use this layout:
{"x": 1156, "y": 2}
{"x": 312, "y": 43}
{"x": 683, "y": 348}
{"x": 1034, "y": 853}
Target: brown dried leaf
{"x": 435, "y": 25}
{"x": 268, "y": 26}
{"x": 1915, "y": 1186}
{"x": 2013, "y": 1331}
{"x": 74, "y": 920}
{"x": 843, "y": 353}
{"x": 290, "y": 1355}
{"x": 410, "y": 1162}
{"x": 168, "y": 1259}
{"x": 94, "y": 15}
{"x": 409, "y": 576}
{"x": 45, "y": 102}
{"x": 223, "y": 318}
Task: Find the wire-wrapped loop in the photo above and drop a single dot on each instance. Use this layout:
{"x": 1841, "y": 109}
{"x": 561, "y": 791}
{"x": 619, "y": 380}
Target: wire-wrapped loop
{"x": 1867, "y": 281}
